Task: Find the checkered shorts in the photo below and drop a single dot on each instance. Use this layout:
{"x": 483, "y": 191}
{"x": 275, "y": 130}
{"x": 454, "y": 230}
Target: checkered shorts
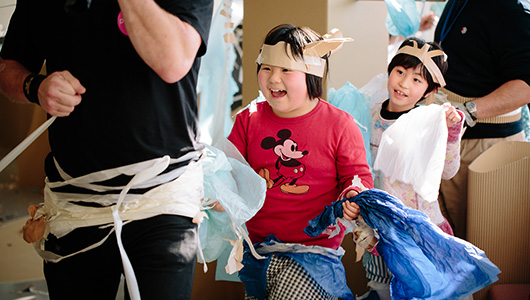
{"x": 287, "y": 280}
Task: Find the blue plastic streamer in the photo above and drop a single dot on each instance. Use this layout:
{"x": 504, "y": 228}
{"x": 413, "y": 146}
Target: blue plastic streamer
{"x": 353, "y": 101}
{"x": 403, "y": 17}
{"x": 426, "y": 262}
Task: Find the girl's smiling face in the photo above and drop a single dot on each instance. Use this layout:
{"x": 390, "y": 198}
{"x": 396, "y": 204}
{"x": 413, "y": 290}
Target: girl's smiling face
{"x": 405, "y": 87}
{"x": 285, "y": 91}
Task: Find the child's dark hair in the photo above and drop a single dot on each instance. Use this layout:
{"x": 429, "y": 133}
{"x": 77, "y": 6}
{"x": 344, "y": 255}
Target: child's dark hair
{"x": 409, "y": 61}
{"x": 297, "y": 38}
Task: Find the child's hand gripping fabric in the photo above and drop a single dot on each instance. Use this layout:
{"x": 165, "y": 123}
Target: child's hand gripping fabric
{"x": 350, "y": 209}
{"x": 452, "y": 116}
{"x": 426, "y": 262}
{"x": 363, "y": 235}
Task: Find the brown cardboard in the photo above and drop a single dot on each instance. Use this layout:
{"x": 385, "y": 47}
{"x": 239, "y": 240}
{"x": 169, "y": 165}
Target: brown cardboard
{"x": 499, "y": 210}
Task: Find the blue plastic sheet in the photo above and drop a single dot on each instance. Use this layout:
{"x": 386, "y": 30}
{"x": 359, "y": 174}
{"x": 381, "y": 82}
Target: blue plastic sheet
{"x": 403, "y": 17}
{"x": 237, "y": 187}
{"x": 426, "y": 262}
{"x": 525, "y": 117}
{"x": 438, "y": 7}
{"x": 325, "y": 268}
{"x": 357, "y": 104}
{"x": 326, "y": 218}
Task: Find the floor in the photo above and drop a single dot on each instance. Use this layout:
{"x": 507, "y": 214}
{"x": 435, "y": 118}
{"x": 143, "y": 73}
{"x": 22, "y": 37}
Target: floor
{"x": 21, "y": 276}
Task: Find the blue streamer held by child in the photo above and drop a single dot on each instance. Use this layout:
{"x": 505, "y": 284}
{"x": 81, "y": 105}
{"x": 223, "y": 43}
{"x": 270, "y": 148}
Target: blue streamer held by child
{"x": 426, "y": 262}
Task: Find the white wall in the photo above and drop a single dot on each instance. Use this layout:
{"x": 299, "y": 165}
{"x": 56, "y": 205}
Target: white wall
{"x": 6, "y": 10}
{"x": 360, "y": 60}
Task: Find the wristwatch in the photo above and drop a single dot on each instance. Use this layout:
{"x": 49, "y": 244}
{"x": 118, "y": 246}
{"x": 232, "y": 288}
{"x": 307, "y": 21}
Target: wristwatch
{"x": 470, "y": 112}
{"x": 471, "y": 108}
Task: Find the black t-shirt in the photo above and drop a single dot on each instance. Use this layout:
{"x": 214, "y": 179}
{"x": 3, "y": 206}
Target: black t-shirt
{"x": 488, "y": 44}
{"x": 128, "y": 114}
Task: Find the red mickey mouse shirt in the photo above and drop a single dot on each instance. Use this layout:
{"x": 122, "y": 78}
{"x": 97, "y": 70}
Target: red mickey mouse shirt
{"x": 308, "y": 163}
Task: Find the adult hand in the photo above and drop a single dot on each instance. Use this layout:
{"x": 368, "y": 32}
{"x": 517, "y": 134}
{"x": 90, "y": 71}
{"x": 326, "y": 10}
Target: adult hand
{"x": 218, "y": 207}
{"x": 427, "y": 21}
{"x": 60, "y": 93}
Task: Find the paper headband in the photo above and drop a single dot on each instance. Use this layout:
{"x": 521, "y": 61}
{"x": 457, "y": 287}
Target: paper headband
{"x": 425, "y": 56}
{"x": 280, "y": 55}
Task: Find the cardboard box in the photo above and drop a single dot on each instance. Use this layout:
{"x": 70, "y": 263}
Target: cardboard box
{"x": 499, "y": 209}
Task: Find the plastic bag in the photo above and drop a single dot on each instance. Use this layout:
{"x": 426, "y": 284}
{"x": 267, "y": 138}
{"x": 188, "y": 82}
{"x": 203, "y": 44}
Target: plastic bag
{"x": 426, "y": 262}
{"x": 403, "y": 17}
{"x": 376, "y": 89}
{"x": 525, "y": 4}
{"x": 238, "y": 188}
{"x": 356, "y": 103}
{"x": 412, "y": 150}
{"x": 326, "y": 218}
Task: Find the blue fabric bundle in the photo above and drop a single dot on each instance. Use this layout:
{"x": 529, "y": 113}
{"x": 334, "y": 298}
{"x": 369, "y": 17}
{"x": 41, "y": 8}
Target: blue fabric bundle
{"x": 426, "y": 262}
{"x": 322, "y": 221}
{"x": 324, "y": 267}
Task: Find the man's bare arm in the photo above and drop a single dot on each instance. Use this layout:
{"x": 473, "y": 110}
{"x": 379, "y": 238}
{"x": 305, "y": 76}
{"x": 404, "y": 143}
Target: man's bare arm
{"x": 508, "y": 97}
{"x": 58, "y": 94}
{"x": 166, "y": 43}
{"x": 12, "y": 75}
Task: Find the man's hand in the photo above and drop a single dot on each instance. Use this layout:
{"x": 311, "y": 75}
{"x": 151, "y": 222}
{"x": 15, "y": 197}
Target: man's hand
{"x": 60, "y": 93}
{"x": 427, "y": 21}
{"x": 218, "y": 207}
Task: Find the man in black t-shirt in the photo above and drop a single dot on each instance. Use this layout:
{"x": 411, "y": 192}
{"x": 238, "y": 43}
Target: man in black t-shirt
{"x": 121, "y": 79}
{"x": 488, "y": 48}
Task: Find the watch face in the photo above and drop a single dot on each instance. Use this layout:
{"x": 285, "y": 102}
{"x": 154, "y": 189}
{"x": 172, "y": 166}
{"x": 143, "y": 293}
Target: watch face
{"x": 471, "y": 108}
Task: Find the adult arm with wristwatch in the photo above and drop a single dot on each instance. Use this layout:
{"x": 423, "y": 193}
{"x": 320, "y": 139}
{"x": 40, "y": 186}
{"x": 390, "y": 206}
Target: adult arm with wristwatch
{"x": 57, "y": 94}
{"x": 506, "y": 98}
{"x": 166, "y": 43}
{"x": 488, "y": 49}
{"x": 489, "y": 60}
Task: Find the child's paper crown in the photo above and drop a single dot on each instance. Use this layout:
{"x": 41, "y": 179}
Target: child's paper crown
{"x": 425, "y": 56}
{"x": 279, "y": 55}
